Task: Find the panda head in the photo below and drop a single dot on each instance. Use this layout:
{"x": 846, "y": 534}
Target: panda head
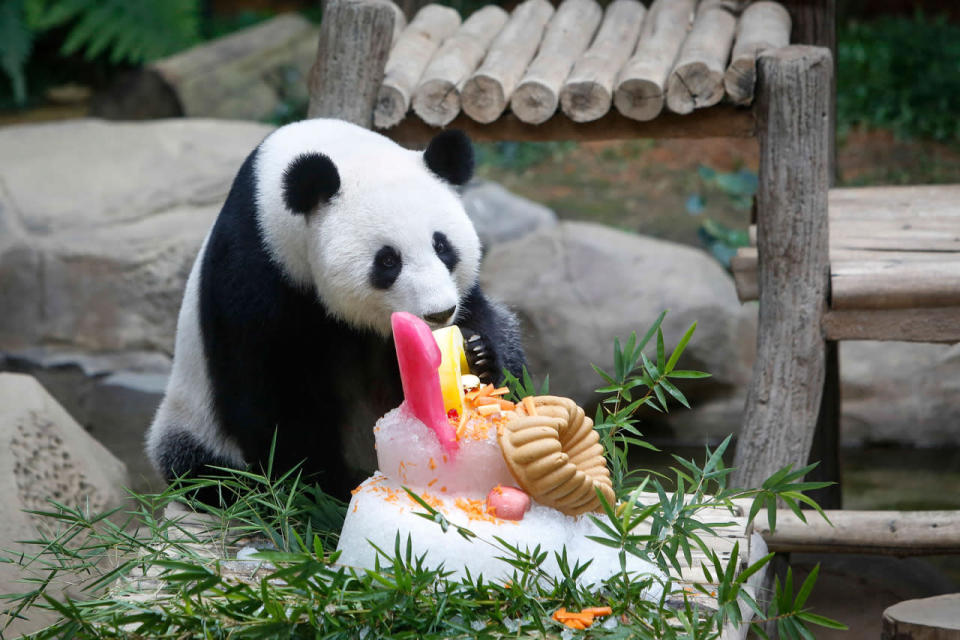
{"x": 372, "y": 227}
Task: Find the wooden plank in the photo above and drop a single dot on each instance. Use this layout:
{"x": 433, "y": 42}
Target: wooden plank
{"x": 787, "y": 383}
{"x": 895, "y": 203}
{"x": 902, "y": 533}
{"x": 642, "y": 84}
{"x": 762, "y": 26}
{"x": 910, "y": 325}
{"x": 697, "y": 77}
{"x": 567, "y": 36}
{"x": 922, "y": 234}
{"x": 355, "y": 40}
{"x": 437, "y": 98}
{"x": 409, "y": 57}
{"x": 587, "y": 93}
{"x": 487, "y": 92}
{"x": 719, "y": 121}
{"x": 892, "y": 283}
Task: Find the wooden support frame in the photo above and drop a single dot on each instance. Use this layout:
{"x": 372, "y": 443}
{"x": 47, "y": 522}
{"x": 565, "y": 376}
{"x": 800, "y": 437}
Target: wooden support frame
{"x": 783, "y": 402}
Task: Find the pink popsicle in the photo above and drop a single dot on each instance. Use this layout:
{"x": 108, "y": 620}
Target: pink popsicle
{"x": 419, "y": 357}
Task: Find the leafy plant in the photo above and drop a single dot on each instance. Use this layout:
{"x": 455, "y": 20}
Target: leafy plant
{"x": 120, "y": 31}
{"x": 302, "y": 591}
{"x": 524, "y": 386}
{"x": 901, "y": 73}
{"x": 739, "y": 187}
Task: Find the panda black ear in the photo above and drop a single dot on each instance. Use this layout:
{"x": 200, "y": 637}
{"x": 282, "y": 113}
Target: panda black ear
{"x": 450, "y": 156}
{"x": 310, "y": 179}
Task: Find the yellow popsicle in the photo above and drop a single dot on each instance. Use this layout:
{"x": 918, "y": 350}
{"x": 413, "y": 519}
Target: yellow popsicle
{"x": 452, "y": 365}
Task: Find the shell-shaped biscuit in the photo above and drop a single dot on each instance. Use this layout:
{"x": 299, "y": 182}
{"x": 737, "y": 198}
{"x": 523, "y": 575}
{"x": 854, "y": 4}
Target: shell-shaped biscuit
{"x": 556, "y": 456}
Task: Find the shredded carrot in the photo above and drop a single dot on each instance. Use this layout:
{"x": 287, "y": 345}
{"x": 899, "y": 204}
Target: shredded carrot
{"x": 443, "y": 489}
{"x": 500, "y": 391}
{"x": 506, "y": 405}
{"x": 433, "y": 465}
{"x": 432, "y": 482}
{"x": 598, "y": 611}
{"x": 581, "y": 619}
{"x": 472, "y": 395}
{"x": 485, "y": 400}
{"x": 529, "y": 406}
{"x": 488, "y": 409}
{"x": 486, "y": 390}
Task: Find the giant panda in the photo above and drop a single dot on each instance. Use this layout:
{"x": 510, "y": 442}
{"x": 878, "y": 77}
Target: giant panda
{"x": 284, "y": 328}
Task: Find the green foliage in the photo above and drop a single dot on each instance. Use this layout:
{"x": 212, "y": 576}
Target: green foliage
{"x": 900, "y": 73}
{"x": 521, "y": 388}
{"x": 302, "y": 591}
{"x": 117, "y": 30}
{"x": 519, "y": 156}
{"x": 739, "y": 187}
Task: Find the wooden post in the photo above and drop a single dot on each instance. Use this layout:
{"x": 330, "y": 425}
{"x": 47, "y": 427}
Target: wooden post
{"x": 815, "y": 23}
{"x": 783, "y": 401}
{"x": 355, "y": 40}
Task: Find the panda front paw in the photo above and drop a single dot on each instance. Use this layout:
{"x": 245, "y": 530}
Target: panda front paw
{"x": 480, "y": 357}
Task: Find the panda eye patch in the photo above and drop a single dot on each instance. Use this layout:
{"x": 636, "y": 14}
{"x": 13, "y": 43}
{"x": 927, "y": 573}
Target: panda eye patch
{"x": 445, "y": 251}
{"x": 386, "y": 267}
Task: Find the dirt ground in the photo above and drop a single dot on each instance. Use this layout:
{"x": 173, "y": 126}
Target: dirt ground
{"x": 643, "y": 185}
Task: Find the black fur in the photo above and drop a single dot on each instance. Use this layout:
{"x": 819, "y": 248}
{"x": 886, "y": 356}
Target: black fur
{"x": 386, "y": 268}
{"x": 279, "y": 363}
{"x": 310, "y": 179}
{"x": 445, "y": 251}
{"x": 181, "y": 455}
{"x": 450, "y": 156}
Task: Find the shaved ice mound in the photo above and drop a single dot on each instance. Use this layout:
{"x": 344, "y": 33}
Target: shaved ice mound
{"x": 410, "y": 455}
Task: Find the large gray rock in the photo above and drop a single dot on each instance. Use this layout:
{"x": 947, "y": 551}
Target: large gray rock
{"x": 577, "y": 286}
{"x": 500, "y": 215}
{"x": 44, "y": 455}
{"x": 99, "y": 223}
{"x": 900, "y": 392}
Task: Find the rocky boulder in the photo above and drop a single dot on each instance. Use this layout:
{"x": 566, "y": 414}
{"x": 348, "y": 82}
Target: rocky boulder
{"x": 577, "y": 286}
{"x": 44, "y": 455}
{"x": 500, "y": 215}
{"x": 100, "y": 222}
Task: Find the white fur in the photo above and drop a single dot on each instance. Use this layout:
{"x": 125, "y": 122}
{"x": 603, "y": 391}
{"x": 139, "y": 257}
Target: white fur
{"x": 387, "y": 197}
{"x": 188, "y": 401}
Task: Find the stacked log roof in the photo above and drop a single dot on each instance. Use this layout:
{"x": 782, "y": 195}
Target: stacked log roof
{"x": 578, "y": 59}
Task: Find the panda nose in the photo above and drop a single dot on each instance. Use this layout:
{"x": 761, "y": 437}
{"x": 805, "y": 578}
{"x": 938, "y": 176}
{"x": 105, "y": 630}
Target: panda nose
{"x": 440, "y": 317}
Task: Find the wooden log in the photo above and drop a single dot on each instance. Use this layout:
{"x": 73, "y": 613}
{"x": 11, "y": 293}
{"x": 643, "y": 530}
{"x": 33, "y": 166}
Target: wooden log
{"x": 895, "y": 202}
{"x": 892, "y": 283}
{"x": 908, "y": 325}
{"x": 588, "y": 92}
{"x": 784, "y": 396}
{"x": 902, "y": 533}
{"x": 486, "y": 94}
{"x": 437, "y": 98}
{"x": 642, "y": 83}
{"x": 354, "y": 43}
{"x": 721, "y": 121}
{"x": 697, "y": 77}
{"x": 567, "y": 36}
{"x": 763, "y": 26}
{"x": 936, "y": 618}
{"x": 238, "y": 76}
{"x": 415, "y": 47}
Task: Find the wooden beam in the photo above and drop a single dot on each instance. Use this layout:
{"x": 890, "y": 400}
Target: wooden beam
{"x": 697, "y": 77}
{"x": 783, "y": 400}
{"x": 355, "y": 40}
{"x": 719, "y": 121}
{"x": 899, "y": 533}
{"x": 909, "y": 325}
{"x": 588, "y": 91}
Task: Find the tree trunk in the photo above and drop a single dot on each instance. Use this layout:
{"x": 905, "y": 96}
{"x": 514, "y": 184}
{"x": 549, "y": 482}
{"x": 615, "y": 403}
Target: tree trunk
{"x": 783, "y": 401}
{"x": 355, "y": 41}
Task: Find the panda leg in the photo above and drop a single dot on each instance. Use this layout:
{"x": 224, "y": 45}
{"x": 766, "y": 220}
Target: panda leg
{"x": 180, "y": 455}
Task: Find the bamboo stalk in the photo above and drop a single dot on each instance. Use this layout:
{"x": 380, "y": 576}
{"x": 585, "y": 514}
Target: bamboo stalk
{"x": 588, "y": 92}
{"x": 697, "y": 78}
{"x": 763, "y": 25}
{"x": 568, "y": 35}
{"x": 414, "y": 48}
{"x": 487, "y": 92}
{"x": 437, "y": 97}
{"x": 642, "y": 83}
